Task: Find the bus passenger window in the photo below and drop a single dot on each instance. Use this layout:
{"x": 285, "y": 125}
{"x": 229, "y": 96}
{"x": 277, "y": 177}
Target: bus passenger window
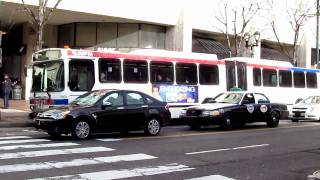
{"x": 285, "y": 78}
{"x": 81, "y": 75}
{"x": 186, "y": 73}
{"x": 269, "y": 77}
{"x": 299, "y": 79}
{"x": 311, "y": 80}
{"x": 135, "y": 71}
{"x": 161, "y": 72}
{"x": 208, "y": 74}
{"x": 256, "y": 76}
{"x": 109, "y": 70}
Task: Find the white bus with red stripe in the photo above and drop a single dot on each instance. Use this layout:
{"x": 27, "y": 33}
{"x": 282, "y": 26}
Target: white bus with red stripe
{"x": 181, "y": 79}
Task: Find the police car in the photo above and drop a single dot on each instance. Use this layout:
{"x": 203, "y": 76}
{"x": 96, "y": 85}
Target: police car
{"x": 234, "y": 109}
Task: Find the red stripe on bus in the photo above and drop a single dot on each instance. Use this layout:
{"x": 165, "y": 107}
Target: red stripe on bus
{"x": 267, "y": 66}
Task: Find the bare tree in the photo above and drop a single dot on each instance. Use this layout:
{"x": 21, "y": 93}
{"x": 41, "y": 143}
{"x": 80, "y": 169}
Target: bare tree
{"x": 235, "y": 28}
{"x": 40, "y": 19}
{"x": 297, "y": 17}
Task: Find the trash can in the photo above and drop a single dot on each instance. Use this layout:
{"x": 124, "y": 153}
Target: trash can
{"x": 16, "y": 92}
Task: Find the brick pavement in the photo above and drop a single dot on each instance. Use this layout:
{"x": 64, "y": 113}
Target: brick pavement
{"x": 16, "y": 115}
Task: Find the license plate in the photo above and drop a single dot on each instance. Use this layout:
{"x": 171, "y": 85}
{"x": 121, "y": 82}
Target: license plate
{"x": 297, "y": 114}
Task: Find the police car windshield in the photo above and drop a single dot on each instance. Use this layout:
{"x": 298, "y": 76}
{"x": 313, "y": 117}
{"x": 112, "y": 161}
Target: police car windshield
{"x": 232, "y": 98}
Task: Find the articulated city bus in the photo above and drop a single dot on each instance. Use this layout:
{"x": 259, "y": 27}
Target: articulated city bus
{"x": 181, "y": 79}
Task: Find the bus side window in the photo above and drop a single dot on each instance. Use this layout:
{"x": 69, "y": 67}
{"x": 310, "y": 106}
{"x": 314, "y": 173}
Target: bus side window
{"x": 256, "y": 76}
{"x": 311, "y": 80}
{"x": 208, "y": 74}
{"x": 285, "y": 78}
{"x": 109, "y": 70}
{"x": 135, "y": 71}
{"x": 269, "y": 77}
{"x": 161, "y": 72}
{"x": 81, "y": 75}
{"x": 299, "y": 79}
{"x": 186, "y": 73}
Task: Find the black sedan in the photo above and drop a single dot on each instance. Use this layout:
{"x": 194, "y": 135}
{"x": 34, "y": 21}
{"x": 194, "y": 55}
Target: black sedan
{"x": 105, "y": 111}
{"x": 234, "y": 109}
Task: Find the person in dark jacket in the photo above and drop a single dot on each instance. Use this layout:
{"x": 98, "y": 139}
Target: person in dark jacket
{"x": 7, "y": 87}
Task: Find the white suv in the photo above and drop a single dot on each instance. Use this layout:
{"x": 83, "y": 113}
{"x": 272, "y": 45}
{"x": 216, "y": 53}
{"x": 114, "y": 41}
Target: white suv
{"x": 307, "y": 109}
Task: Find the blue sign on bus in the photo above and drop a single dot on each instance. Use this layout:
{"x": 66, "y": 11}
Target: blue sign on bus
{"x": 175, "y": 93}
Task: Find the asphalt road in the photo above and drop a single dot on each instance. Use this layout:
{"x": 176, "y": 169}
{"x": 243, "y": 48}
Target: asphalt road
{"x": 291, "y": 151}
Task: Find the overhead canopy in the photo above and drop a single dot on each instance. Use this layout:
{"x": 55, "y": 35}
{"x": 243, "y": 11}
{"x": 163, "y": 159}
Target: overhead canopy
{"x": 210, "y": 46}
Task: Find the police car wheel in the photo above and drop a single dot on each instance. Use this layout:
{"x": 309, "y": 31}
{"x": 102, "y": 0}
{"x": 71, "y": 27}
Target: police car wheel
{"x": 227, "y": 123}
{"x": 273, "y": 119}
{"x": 295, "y": 120}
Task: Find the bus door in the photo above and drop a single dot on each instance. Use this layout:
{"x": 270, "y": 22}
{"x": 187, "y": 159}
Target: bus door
{"x": 81, "y": 74}
{"x": 236, "y": 75}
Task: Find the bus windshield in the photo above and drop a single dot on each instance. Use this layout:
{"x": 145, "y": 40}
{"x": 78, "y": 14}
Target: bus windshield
{"x": 48, "y": 76}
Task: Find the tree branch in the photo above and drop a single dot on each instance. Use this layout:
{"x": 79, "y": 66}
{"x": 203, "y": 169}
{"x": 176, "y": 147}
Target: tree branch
{"x": 30, "y": 13}
{"x": 51, "y": 10}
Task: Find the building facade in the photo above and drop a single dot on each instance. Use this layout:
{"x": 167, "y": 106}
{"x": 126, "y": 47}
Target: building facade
{"x": 125, "y": 25}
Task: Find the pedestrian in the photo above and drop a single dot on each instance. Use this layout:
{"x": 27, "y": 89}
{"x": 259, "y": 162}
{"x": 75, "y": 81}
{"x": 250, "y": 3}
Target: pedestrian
{"x": 7, "y": 87}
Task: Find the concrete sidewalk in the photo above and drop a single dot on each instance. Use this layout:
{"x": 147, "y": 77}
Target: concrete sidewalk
{"x": 16, "y": 116}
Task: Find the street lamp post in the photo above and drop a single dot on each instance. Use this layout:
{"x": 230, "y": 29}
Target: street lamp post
{"x": 252, "y": 40}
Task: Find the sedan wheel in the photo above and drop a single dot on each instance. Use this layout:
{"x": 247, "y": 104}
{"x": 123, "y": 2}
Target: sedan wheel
{"x": 152, "y": 127}
{"x": 81, "y": 130}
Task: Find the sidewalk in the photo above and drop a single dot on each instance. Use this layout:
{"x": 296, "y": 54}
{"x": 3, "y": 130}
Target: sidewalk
{"x": 16, "y": 116}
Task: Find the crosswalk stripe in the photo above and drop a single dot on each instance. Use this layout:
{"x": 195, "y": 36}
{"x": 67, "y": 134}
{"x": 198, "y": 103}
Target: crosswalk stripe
{"x": 30, "y": 146}
{"x": 73, "y": 163}
{"x": 212, "y": 177}
{"x": 109, "y": 139}
{"x": 124, "y": 173}
{"x": 52, "y": 152}
{"x": 14, "y": 137}
{"x": 23, "y": 141}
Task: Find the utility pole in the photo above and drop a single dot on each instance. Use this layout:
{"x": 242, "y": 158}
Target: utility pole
{"x": 317, "y": 37}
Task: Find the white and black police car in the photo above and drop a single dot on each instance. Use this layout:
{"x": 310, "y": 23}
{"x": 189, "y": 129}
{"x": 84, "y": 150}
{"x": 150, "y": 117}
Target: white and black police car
{"x": 234, "y": 109}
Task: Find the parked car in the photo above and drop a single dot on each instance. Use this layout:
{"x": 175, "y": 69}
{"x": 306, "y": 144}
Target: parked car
{"x": 105, "y": 111}
{"x": 307, "y": 109}
{"x": 233, "y": 109}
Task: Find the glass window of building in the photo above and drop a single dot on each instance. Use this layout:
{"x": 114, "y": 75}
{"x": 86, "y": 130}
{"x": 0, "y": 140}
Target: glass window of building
{"x": 186, "y": 73}
{"x": 135, "y": 71}
{"x": 107, "y": 35}
{"x": 285, "y": 78}
{"x": 311, "y": 80}
{"x": 161, "y": 72}
{"x": 152, "y": 36}
{"x": 299, "y": 79}
{"x": 109, "y": 70}
{"x": 256, "y": 76}
{"x": 128, "y": 35}
{"x": 269, "y": 77}
{"x": 208, "y": 74}
{"x": 66, "y": 35}
{"x": 86, "y": 34}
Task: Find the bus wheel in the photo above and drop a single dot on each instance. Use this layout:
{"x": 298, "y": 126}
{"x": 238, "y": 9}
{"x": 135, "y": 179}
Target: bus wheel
{"x": 81, "y": 130}
{"x": 273, "y": 119}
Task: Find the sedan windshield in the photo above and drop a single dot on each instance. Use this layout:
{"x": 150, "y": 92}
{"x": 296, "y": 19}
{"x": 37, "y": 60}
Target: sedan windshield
{"x": 48, "y": 76}
{"x": 312, "y": 100}
{"x": 90, "y": 98}
{"x": 232, "y": 98}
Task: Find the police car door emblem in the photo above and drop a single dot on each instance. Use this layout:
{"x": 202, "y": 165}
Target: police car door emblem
{"x": 263, "y": 108}
{"x": 250, "y": 108}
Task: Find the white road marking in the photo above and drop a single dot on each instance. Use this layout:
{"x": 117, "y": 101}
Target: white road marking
{"x": 30, "y": 146}
{"x": 109, "y": 139}
{"x": 124, "y": 173}
{"x": 213, "y": 177}
{"x": 52, "y": 152}
{"x": 26, "y": 130}
{"x": 228, "y": 149}
{"x": 73, "y": 163}
{"x": 23, "y": 141}
{"x": 14, "y": 137}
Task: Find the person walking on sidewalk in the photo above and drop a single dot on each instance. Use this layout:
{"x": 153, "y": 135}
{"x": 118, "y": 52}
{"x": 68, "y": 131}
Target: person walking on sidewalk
{"x": 7, "y": 87}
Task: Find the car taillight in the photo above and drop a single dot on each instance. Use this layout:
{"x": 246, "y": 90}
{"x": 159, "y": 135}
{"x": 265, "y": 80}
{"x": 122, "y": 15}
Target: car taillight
{"x": 167, "y": 107}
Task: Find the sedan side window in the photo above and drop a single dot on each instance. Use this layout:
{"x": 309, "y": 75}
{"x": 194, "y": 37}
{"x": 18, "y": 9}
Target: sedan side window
{"x": 249, "y": 98}
{"x": 134, "y": 99}
{"x": 115, "y": 99}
